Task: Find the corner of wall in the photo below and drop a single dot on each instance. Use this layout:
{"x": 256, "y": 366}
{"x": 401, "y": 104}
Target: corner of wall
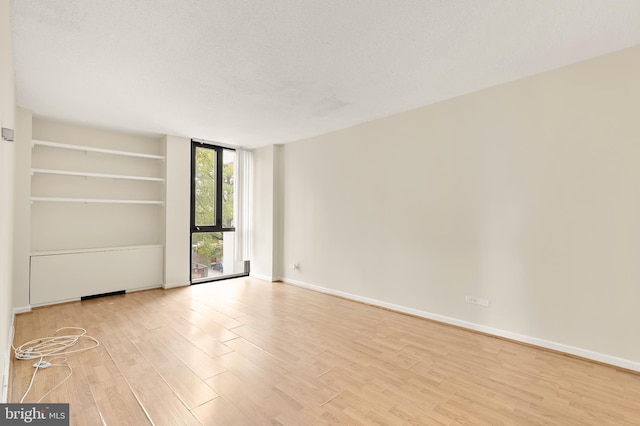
{"x": 177, "y": 216}
{"x": 168, "y": 286}
{"x": 22, "y": 208}
{"x": 278, "y": 210}
{"x": 6, "y": 362}
{"x": 7, "y": 160}
{"x": 262, "y": 236}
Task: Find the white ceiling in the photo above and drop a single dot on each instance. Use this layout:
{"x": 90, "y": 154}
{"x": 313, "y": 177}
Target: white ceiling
{"x": 252, "y": 73}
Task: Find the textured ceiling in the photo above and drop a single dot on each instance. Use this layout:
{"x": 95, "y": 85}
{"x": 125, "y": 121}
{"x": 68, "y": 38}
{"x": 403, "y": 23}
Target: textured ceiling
{"x": 252, "y": 73}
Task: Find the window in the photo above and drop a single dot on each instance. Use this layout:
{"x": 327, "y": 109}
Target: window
{"x": 212, "y": 213}
{"x": 212, "y": 168}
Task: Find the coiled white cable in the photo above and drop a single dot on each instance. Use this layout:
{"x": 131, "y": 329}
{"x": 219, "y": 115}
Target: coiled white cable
{"x": 54, "y": 345}
{"x": 49, "y": 346}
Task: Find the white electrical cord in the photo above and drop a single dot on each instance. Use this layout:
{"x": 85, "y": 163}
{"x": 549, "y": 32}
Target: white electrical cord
{"x": 55, "y": 345}
{"x": 33, "y": 378}
{"x": 49, "y": 346}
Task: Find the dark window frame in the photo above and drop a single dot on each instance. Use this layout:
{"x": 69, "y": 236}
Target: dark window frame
{"x": 217, "y": 227}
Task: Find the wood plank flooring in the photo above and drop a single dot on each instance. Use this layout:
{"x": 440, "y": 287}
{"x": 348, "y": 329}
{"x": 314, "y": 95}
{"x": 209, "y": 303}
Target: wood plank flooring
{"x": 247, "y": 352}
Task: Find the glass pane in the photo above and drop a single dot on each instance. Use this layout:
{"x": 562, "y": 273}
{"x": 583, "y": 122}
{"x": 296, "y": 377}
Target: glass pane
{"x": 205, "y": 187}
{"x": 228, "y": 187}
{"x": 208, "y": 258}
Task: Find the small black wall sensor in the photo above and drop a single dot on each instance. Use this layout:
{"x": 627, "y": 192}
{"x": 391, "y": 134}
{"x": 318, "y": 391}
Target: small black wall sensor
{"x": 7, "y": 134}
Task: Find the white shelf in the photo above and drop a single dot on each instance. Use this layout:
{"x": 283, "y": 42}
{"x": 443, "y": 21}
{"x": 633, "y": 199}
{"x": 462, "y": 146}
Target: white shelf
{"x": 99, "y": 150}
{"x": 95, "y": 200}
{"x": 98, "y": 175}
{"x": 93, "y": 250}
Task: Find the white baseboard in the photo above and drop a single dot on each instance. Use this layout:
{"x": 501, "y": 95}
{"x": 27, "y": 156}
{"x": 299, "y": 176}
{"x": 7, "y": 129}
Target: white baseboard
{"x": 57, "y": 302}
{"x": 264, "y": 277}
{"x": 167, "y": 286}
{"x": 7, "y": 359}
{"x": 77, "y": 299}
{"x": 5, "y": 373}
{"x": 583, "y": 353}
{"x": 151, "y": 287}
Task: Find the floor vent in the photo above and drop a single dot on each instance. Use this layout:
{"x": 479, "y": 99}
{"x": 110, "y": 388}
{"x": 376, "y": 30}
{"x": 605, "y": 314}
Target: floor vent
{"x": 95, "y": 296}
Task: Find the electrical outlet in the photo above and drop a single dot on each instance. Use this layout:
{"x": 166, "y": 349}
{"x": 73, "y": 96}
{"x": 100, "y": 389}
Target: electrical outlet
{"x": 294, "y": 266}
{"x": 476, "y": 300}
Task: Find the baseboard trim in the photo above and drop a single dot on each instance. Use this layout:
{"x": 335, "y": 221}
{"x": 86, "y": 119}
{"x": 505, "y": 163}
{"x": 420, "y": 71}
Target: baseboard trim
{"x": 263, "y": 277}
{"x": 151, "y": 287}
{"x": 57, "y": 302}
{"x": 21, "y": 310}
{"x": 547, "y": 344}
{"x": 167, "y": 286}
{"x": 79, "y": 299}
{"x": 7, "y": 364}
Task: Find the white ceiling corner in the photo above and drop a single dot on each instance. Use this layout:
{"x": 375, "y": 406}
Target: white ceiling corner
{"x": 252, "y": 73}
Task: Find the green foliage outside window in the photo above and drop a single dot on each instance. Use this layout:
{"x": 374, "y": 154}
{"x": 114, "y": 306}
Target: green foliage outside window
{"x": 207, "y": 246}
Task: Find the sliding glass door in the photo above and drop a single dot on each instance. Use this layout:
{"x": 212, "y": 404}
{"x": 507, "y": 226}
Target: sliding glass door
{"x": 213, "y": 189}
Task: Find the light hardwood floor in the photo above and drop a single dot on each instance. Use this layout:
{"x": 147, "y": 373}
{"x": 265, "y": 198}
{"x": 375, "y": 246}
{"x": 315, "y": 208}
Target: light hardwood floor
{"x": 247, "y": 352}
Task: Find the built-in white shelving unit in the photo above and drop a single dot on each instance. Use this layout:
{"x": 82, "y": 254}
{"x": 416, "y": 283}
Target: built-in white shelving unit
{"x": 95, "y": 223}
{"x": 100, "y": 150}
{"x": 96, "y": 175}
{"x": 95, "y": 250}
{"x": 71, "y": 147}
{"x": 94, "y": 200}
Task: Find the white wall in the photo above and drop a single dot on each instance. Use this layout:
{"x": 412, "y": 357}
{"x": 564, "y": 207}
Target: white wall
{"x": 177, "y": 224}
{"x": 526, "y": 194}
{"x": 266, "y": 255}
{"x": 22, "y": 210}
{"x": 7, "y": 120}
{"x": 278, "y": 212}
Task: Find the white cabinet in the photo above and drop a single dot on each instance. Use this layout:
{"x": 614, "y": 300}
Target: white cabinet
{"x": 60, "y": 276}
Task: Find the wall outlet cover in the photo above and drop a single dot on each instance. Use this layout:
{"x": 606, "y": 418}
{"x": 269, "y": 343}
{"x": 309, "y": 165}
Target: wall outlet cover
{"x": 477, "y": 301}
